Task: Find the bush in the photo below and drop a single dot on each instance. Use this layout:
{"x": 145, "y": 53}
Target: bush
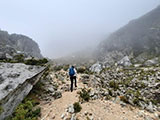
{"x": 108, "y": 97}
{"x": 36, "y": 62}
{"x": 77, "y": 107}
{"x": 84, "y": 94}
{"x": 58, "y": 68}
{"x": 65, "y": 67}
{"x": 114, "y": 85}
{"x": 25, "y": 111}
{"x": 1, "y": 109}
{"x": 81, "y": 70}
{"x": 18, "y": 58}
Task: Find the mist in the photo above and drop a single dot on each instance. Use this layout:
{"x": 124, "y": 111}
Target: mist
{"x": 62, "y": 27}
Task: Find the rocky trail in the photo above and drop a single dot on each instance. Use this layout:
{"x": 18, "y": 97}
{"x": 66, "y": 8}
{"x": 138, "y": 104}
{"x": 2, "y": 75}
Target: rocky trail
{"x": 98, "y": 109}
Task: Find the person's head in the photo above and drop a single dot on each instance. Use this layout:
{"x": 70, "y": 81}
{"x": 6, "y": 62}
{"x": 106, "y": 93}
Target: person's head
{"x": 72, "y": 66}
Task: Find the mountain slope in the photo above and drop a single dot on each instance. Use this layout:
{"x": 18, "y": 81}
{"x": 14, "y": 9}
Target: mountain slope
{"x": 138, "y": 36}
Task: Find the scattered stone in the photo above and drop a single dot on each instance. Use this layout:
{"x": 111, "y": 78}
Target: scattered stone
{"x": 117, "y": 100}
{"x": 157, "y": 116}
{"x": 63, "y": 115}
{"x": 150, "y": 107}
{"x": 73, "y": 117}
{"x": 148, "y": 118}
{"x": 51, "y": 89}
{"x": 141, "y": 114}
{"x": 85, "y": 113}
{"x": 158, "y": 109}
{"x": 71, "y": 109}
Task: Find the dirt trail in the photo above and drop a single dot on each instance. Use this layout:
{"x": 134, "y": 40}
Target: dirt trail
{"x": 97, "y": 109}
{"x": 57, "y": 107}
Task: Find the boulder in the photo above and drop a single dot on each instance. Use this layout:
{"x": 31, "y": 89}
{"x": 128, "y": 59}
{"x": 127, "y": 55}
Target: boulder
{"x": 97, "y": 67}
{"x": 16, "y": 81}
{"x": 70, "y": 109}
{"x": 125, "y": 62}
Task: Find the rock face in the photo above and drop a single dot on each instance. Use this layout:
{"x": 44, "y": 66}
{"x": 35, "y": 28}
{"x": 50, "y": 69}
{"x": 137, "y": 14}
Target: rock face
{"x": 151, "y": 62}
{"x": 14, "y": 43}
{"x": 97, "y": 67}
{"x": 138, "y": 36}
{"x": 16, "y": 81}
{"x": 125, "y": 61}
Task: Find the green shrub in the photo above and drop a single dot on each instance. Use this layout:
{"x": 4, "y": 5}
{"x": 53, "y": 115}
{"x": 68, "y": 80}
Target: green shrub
{"x": 1, "y": 109}
{"x": 18, "y": 58}
{"x": 81, "y": 70}
{"x": 114, "y": 84}
{"x": 38, "y": 88}
{"x": 65, "y": 67}
{"x": 26, "y": 111}
{"x": 36, "y": 62}
{"x": 108, "y": 97}
{"x": 110, "y": 92}
{"x": 58, "y": 68}
{"x": 77, "y": 107}
{"x": 84, "y": 95}
{"x": 136, "y": 101}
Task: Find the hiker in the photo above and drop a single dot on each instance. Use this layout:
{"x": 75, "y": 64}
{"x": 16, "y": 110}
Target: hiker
{"x": 72, "y": 74}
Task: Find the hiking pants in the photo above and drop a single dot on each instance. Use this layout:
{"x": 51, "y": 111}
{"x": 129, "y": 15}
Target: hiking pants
{"x": 73, "y": 78}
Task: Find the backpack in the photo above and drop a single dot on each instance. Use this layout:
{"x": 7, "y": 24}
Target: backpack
{"x": 71, "y": 71}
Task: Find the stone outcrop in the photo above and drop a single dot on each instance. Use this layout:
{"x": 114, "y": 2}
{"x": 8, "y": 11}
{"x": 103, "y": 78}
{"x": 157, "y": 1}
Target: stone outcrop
{"x": 125, "y": 62}
{"x": 97, "y": 67}
{"x": 16, "y": 81}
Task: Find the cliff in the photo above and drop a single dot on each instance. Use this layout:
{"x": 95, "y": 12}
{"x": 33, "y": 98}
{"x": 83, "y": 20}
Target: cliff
{"x": 15, "y": 43}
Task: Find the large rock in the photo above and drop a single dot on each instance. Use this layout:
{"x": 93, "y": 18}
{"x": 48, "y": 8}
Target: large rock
{"x": 97, "y": 67}
{"x": 125, "y": 61}
{"x": 16, "y": 81}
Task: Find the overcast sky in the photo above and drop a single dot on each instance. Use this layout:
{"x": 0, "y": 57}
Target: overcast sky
{"x": 63, "y": 26}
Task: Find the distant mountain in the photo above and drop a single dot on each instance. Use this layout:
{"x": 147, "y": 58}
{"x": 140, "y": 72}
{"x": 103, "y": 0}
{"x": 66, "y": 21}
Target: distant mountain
{"x": 137, "y": 37}
{"x": 15, "y": 43}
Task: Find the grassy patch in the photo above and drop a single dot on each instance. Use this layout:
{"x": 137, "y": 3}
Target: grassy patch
{"x": 84, "y": 95}
{"x": 58, "y": 68}
{"x": 81, "y": 70}
{"x": 36, "y": 62}
{"x": 65, "y": 67}
{"x": 77, "y": 107}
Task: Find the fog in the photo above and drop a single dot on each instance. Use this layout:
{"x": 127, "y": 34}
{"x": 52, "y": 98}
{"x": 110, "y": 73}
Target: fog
{"x": 61, "y": 27}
